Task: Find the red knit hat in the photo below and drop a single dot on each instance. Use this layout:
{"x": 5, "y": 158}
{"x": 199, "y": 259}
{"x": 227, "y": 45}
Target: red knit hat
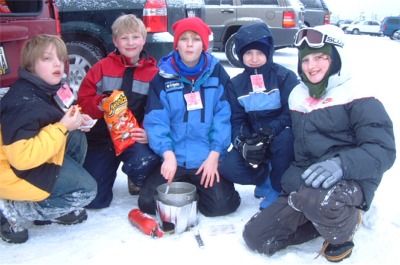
{"x": 194, "y": 24}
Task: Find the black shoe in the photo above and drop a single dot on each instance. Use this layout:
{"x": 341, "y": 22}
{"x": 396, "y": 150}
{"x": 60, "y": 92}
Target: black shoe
{"x": 68, "y": 219}
{"x": 11, "y": 234}
{"x": 337, "y": 253}
{"x": 133, "y": 189}
{"x": 303, "y": 234}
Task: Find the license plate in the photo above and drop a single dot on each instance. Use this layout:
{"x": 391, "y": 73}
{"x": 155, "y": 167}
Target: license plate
{"x": 4, "y": 68}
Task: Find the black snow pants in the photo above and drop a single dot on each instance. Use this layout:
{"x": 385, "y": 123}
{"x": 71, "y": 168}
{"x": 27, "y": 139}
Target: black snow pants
{"x": 304, "y": 215}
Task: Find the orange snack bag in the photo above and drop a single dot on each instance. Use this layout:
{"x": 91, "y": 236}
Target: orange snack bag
{"x": 120, "y": 120}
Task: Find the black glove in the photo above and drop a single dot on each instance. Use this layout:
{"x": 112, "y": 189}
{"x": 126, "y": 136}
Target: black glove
{"x": 327, "y": 172}
{"x": 268, "y": 137}
{"x": 252, "y": 149}
{"x": 268, "y": 134}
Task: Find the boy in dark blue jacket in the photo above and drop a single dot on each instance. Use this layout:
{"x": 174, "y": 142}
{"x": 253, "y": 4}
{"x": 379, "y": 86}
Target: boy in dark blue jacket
{"x": 261, "y": 133}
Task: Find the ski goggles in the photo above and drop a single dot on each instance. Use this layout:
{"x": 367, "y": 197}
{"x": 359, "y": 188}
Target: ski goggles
{"x": 314, "y": 38}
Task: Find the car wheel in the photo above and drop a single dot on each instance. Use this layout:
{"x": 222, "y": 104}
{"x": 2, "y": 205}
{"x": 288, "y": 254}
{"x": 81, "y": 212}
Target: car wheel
{"x": 395, "y": 35}
{"x": 82, "y": 56}
{"x": 355, "y": 32}
{"x": 231, "y": 52}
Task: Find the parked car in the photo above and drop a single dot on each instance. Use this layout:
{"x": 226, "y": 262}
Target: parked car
{"x": 364, "y": 27}
{"x": 86, "y": 28}
{"x": 316, "y": 13}
{"x": 20, "y": 21}
{"x": 389, "y": 26}
{"x": 396, "y": 35}
{"x": 225, "y": 17}
{"x": 343, "y": 23}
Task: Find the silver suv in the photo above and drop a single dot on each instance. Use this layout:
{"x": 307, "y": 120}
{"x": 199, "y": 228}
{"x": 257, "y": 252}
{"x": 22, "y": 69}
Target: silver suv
{"x": 225, "y": 17}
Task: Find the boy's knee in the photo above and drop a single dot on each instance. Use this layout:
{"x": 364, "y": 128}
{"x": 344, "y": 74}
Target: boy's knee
{"x": 220, "y": 207}
{"x": 147, "y": 205}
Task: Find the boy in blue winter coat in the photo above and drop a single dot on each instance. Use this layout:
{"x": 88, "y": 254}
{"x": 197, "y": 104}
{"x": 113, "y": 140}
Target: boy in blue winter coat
{"x": 261, "y": 133}
{"x": 187, "y": 120}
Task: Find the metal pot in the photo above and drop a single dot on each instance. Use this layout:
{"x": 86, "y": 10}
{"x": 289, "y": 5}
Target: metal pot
{"x": 173, "y": 219}
{"x": 179, "y": 193}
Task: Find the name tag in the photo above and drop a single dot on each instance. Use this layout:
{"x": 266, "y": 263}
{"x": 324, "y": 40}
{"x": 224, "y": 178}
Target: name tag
{"x": 193, "y": 101}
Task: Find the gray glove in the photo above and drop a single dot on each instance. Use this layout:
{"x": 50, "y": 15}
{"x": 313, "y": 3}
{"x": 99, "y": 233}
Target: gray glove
{"x": 327, "y": 172}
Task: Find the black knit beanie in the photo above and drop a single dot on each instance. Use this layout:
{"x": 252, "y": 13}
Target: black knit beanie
{"x": 261, "y": 45}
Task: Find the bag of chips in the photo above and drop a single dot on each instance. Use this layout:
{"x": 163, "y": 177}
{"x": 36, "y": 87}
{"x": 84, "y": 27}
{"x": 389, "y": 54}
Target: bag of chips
{"x": 120, "y": 120}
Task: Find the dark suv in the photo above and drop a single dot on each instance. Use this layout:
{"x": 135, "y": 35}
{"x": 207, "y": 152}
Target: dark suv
{"x": 86, "y": 28}
{"x": 389, "y": 26}
{"x": 225, "y": 17}
{"x": 316, "y": 13}
{"x": 20, "y": 21}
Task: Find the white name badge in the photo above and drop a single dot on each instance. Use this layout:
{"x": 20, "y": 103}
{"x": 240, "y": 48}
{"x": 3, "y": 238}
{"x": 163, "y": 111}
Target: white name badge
{"x": 193, "y": 101}
{"x": 257, "y": 83}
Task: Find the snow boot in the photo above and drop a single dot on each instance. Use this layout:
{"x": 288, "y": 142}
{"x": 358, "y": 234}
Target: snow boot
{"x": 74, "y": 217}
{"x": 11, "y": 233}
{"x": 269, "y": 199}
{"x": 133, "y": 189}
{"x": 261, "y": 191}
{"x": 337, "y": 253}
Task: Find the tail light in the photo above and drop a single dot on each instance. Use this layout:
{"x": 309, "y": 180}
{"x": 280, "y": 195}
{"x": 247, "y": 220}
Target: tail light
{"x": 327, "y": 19}
{"x": 54, "y": 11}
{"x": 289, "y": 19}
{"x": 155, "y": 16}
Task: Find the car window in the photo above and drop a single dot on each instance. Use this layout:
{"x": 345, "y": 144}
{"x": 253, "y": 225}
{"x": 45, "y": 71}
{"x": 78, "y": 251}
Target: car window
{"x": 18, "y": 7}
{"x": 218, "y": 2}
{"x": 312, "y": 3}
{"x": 393, "y": 21}
{"x": 259, "y": 2}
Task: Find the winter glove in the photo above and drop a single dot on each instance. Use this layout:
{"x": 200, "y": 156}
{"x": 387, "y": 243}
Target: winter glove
{"x": 252, "y": 149}
{"x": 268, "y": 137}
{"x": 326, "y": 173}
{"x": 268, "y": 134}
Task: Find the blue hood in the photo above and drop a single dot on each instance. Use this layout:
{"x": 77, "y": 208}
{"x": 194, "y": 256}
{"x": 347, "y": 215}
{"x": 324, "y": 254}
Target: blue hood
{"x": 254, "y": 32}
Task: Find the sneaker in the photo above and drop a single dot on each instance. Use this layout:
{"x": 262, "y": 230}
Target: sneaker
{"x": 269, "y": 199}
{"x": 10, "y": 233}
{"x": 74, "y": 217}
{"x": 261, "y": 191}
{"x": 303, "y": 234}
{"x": 133, "y": 189}
{"x": 337, "y": 253}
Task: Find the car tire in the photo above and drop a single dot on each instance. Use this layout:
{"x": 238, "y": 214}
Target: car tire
{"x": 82, "y": 56}
{"x": 230, "y": 52}
{"x": 355, "y": 32}
{"x": 395, "y": 35}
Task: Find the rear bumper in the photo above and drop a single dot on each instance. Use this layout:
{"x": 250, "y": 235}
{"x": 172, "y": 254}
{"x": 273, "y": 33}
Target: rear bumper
{"x": 283, "y": 37}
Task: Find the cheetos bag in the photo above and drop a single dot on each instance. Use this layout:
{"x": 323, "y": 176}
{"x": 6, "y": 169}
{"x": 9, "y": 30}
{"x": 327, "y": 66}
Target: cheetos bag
{"x": 120, "y": 120}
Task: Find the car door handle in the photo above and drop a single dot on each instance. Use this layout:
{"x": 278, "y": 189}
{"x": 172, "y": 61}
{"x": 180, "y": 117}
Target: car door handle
{"x": 227, "y": 10}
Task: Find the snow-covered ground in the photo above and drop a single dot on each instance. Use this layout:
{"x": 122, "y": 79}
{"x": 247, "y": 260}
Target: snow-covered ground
{"x": 107, "y": 237}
